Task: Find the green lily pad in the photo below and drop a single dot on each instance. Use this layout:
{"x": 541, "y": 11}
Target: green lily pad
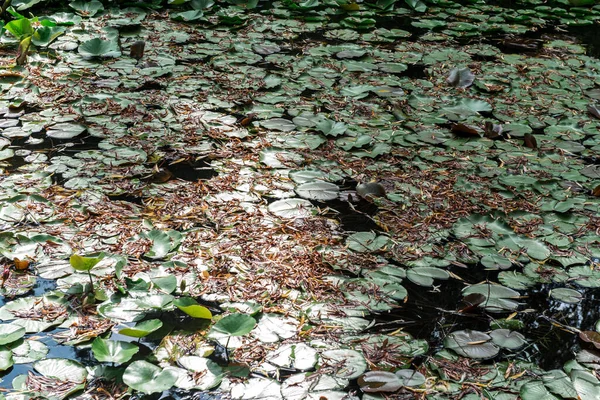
{"x": 291, "y": 208}
{"x": 142, "y": 328}
{"x": 235, "y": 324}
{"x": 10, "y": 333}
{"x": 566, "y": 295}
{"x": 114, "y": 351}
{"x": 148, "y": 378}
{"x": 61, "y": 369}
{"x": 99, "y": 48}
{"x": 364, "y": 242}
{"x": 318, "y": 190}
{"x": 472, "y": 344}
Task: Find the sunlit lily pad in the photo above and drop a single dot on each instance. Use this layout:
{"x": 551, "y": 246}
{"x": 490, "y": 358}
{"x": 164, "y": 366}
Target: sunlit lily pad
{"x": 148, "y": 378}
{"x": 291, "y": 208}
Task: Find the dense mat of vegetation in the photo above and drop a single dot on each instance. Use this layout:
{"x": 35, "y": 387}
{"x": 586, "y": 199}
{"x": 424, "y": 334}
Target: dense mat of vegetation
{"x": 321, "y": 199}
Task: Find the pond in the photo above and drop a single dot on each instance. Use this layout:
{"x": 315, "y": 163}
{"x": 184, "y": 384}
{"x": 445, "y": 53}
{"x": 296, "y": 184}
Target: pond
{"x": 300, "y": 200}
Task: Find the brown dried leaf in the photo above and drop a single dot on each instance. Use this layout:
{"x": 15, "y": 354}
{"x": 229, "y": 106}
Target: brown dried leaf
{"x": 590, "y": 337}
{"x": 529, "y": 141}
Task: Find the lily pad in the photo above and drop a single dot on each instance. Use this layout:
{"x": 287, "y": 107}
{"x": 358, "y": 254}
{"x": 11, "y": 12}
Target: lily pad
{"x": 472, "y": 344}
{"x": 148, "y": 378}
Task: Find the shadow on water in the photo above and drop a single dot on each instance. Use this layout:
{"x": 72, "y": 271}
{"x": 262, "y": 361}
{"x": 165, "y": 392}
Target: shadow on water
{"x": 589, "y": 36}
{"x": 548, "y": 325}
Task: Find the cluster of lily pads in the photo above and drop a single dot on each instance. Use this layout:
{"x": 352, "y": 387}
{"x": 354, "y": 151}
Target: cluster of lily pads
{"x": 173, "y": 177}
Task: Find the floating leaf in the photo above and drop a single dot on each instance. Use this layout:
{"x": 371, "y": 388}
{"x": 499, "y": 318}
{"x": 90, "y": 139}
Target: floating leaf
{"x": 81, "y": 263}
{"x": 379, "y": 381}
{"x": 10, "y": 333}
{"x": 364, "y": 242}
{"x": 114, "y": 351}
{"x": 62, "y": 369}
{"x": 148, "y": 378}
{"x": 142, "y": 328}
{"x": 460, "y": 77}
{"x": 65, "y": 130}
{"x": 6, "y": 359}
{"x": 472, "y": 344}
{"x": 235, "y": 324}
{"x": 331, "y": 128}
{"x": 411, "y": 377}
{"x": 498, "y": 298}
{"x": 318, "y": 190}
{"x": 424, "y": 276}
{"x": 347, "y": 364}
{"x": 590, "y": 337}
{"x": 291, "y": 208}
{"x": 192, "y": 308}
{"x": 566, "y": 295}
{"x": 99, "y": 48}
{"x": 507, "y": 339}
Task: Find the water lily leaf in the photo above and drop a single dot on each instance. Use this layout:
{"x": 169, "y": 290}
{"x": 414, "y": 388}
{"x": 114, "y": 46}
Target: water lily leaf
{"x": 379, "y": 381}
{"x": 187, "y": 16}
{"x": 276, "y": 158}
{"x": 590, "y": 337}
{"x": 318, "y": 190}
{"x": 416, "y": 5}
{"x": 6, "y": 359}
{"x": 496, "y": 261}
{"x": 148, "y": 378}
{"x": 424, "y": 276}
{"x": 114, "y": 351}
{"x": 566, "y": 295}
{"x": 364, "y": 242}
{"x": 331, "y": 128}
{"x": 460, "y": 77}
{"x": 278, "y": 124}
{"x": 586, "y": 385}
{"x": 99, "y": 48}
{"x": 472, "y": 344}
{"x": 82, "y": 263}
{"x": 206, "y": 374}
{"x": 256, "y": 389}
{"x": 45, "y": 35}
{"x": 515, "y": 280}
{"x": 87, "y": 8}
{"x": 161, "y": 244}
{"x": 498, "y": 298}
{"x": 235, "y": 324}
{"x": 274, "y": 327}
{"x": 559, "y": 383}
{"x": 19, "y": 28}
{"x": 65, "y": 130}
{"x": 291, "y": 208}
{"x": 467, "y": 107}
{"x": 62, "y": 369}
{"x": 348, "y": 364}
{"x": 411, "y": 377}
{"x": 507, "y": 339}
{"x": 307, "y": 175}
{"x": 29, "y": 351}
{"x": 535, "y": 390}
{"x": 10, "y": 333}
{"x": 192, "y": 308}
{"x": 142, "y": 328}
{"x": 6, "y": 154}
{"x": 167, "y": 284}
{"x": 297, "y": 356}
